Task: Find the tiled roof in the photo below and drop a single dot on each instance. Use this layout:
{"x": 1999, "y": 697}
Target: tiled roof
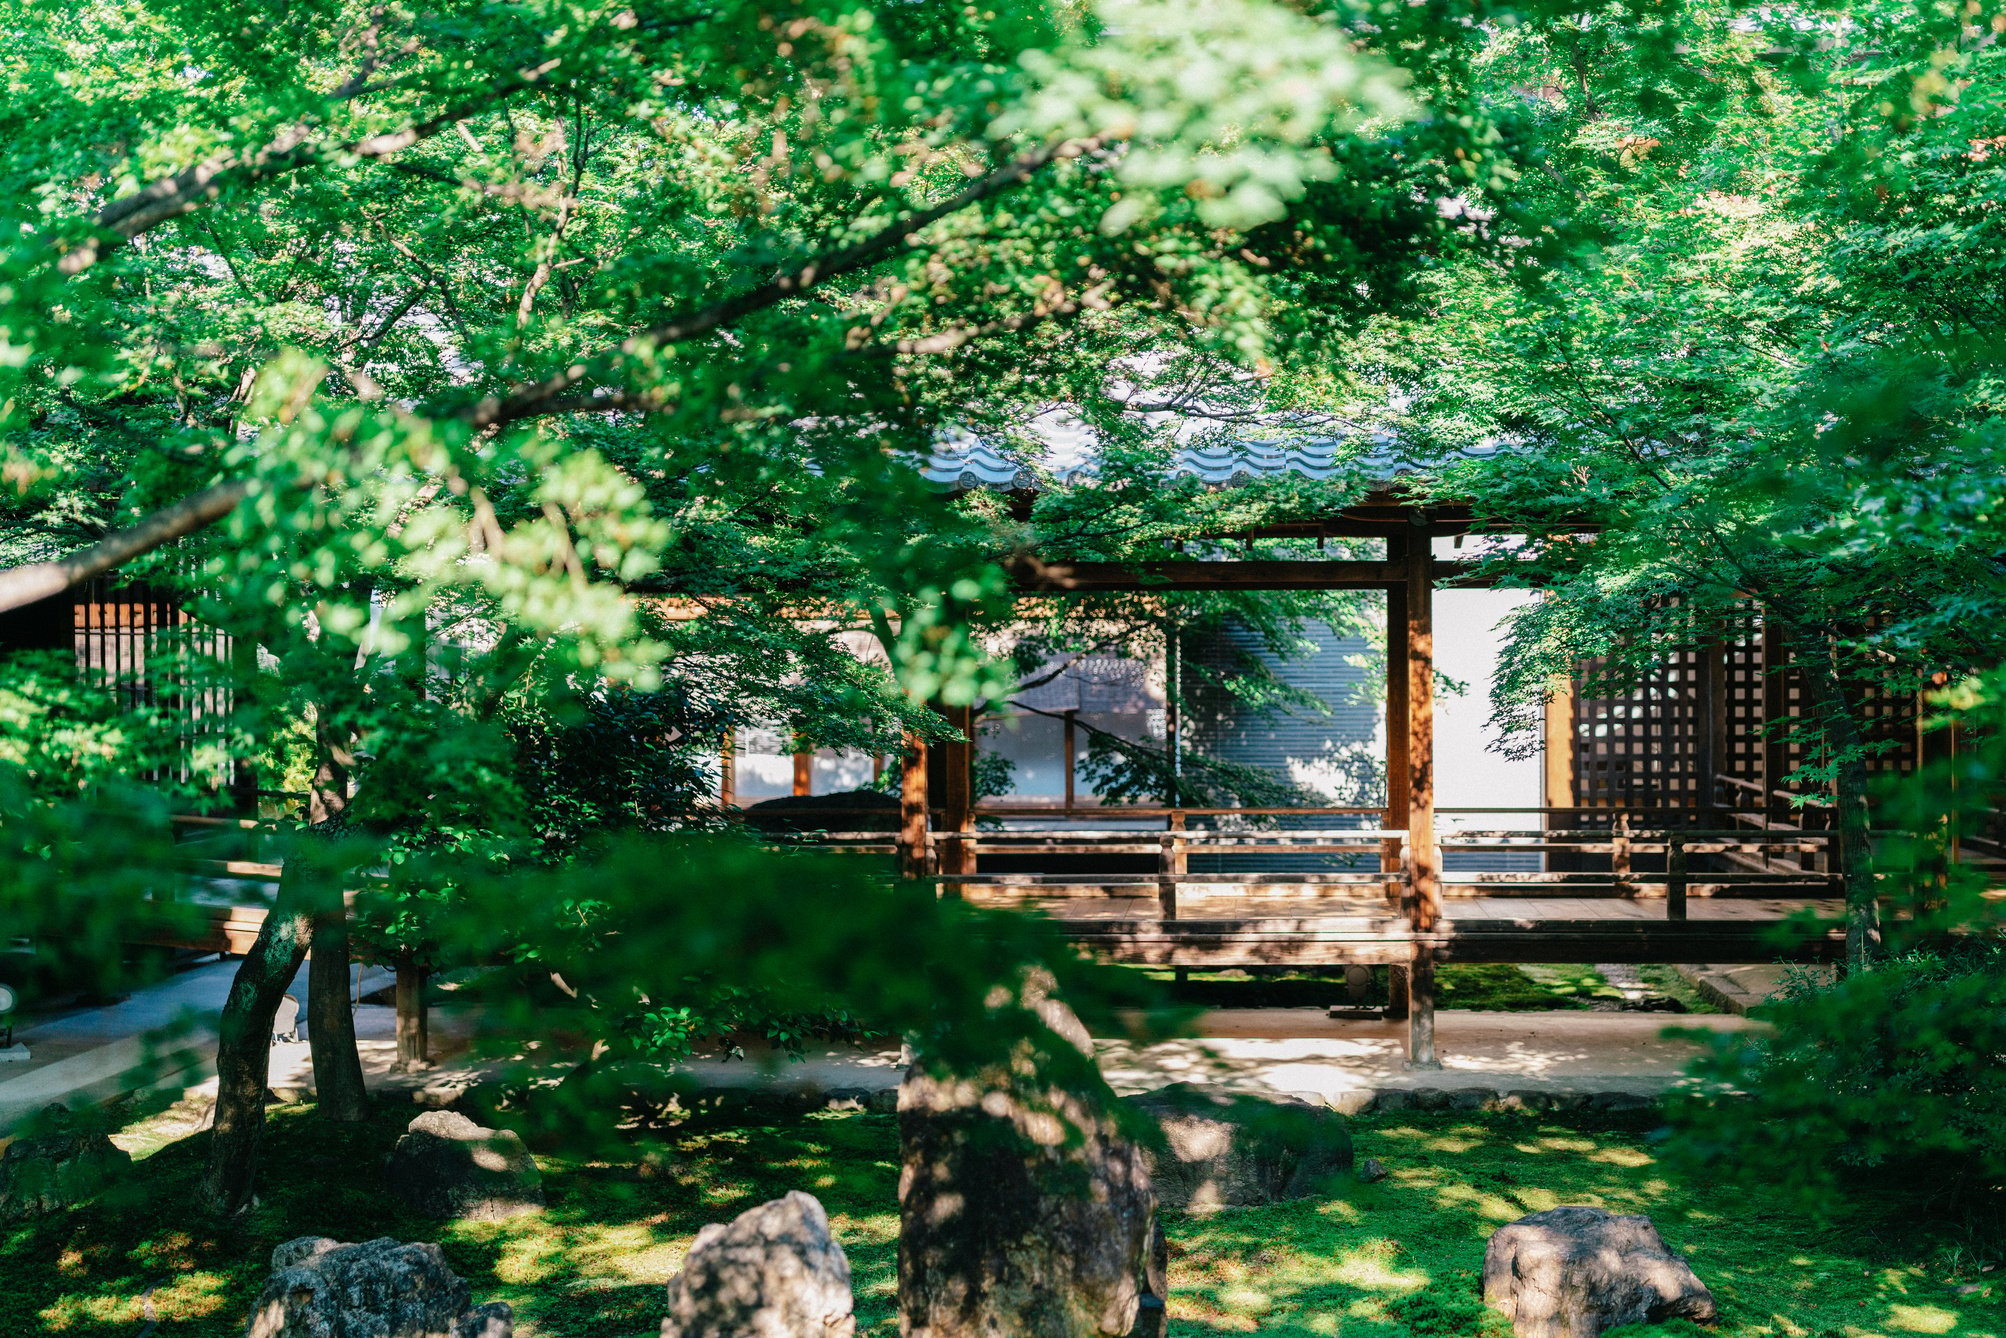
{"x": 970, "y": 463}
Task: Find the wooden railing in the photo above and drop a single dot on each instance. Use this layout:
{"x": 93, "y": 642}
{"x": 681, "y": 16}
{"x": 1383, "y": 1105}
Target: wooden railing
{"x": 1775, "y": 863}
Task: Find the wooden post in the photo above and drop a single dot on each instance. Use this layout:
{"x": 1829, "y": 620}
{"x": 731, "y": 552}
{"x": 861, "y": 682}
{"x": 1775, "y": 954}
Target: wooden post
{"x": 1775, "y": 717}
{"x": 1619, "y": 854}
{"x": 1397, "y": 778}
{"x": 1424, "y": 868}
{"x": 1675, "y": 877}
{"x": 804, "y": 773}
{"x": 913, "y": 839}
{"x": 1171, "y": 866}
{"x": 727, "y": 772}
{"x": 1071, "y": 745}
{"x": 957, "y": 799}
{"x": 1392, "y": 853}
{"x": 1559, "y": 752}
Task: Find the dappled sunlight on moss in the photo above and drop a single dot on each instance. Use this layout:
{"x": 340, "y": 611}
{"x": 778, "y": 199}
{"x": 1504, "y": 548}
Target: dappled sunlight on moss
{"x": 1395, "y": 1259}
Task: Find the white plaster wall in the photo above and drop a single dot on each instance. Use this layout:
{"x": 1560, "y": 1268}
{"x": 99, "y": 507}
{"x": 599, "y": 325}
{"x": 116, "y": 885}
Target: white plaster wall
{"x": 1467, "y": 770}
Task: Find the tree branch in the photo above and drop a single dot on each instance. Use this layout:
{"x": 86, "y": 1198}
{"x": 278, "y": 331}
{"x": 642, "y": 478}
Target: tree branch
{"x": 23, "y": 585}
{"x": 39, "y": 580}
{"x": 169, "y": 198}
{"x": 535, "y": 400}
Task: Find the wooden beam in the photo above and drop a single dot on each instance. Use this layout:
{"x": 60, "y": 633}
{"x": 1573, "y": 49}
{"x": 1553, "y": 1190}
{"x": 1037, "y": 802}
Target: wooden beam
{"x": 1424, "y": 859}
{"x": 1034, "y": 576}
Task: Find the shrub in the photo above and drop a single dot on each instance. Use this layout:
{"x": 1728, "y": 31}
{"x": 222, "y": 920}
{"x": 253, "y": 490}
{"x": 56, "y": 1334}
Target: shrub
{"x": 1901, "y": 1069}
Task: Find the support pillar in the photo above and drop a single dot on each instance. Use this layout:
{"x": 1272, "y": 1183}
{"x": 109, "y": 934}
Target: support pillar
{"x": 914, "y": 841}
{"x": 957, "y": 798}
{"x": 1397, "y": 777}
{"x": 1392, "y": 852}
{"x": 1559, "y": 751}
{"x": 1424, "y": 860}
{"x": 1070, "y": 742}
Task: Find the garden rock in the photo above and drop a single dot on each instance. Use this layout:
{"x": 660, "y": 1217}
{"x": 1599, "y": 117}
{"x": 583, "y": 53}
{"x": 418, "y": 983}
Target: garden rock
{"x": 775, "y": 1271}
{"x": 1022, "y": 1210}
{"x": 1226, "y": 1149}
{"x": 446, "y": 1167}
{"x": 1573, "y": 1272}
{"x": 384, "y": 1288}
{"x": 49, "y": 1172}
{"x": 1152, "y": 1314}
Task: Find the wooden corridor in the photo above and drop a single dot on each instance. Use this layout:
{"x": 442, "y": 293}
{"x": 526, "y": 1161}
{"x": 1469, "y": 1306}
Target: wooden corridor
{"x": 1640, "y": 859}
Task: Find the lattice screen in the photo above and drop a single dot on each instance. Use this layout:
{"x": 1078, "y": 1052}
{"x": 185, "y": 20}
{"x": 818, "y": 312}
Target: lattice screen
{"x": 1641, "y": 749}
{"x": 1648, "y": 748}
{"x": 128, "y": 636}
{"x": 1740, "y": 708}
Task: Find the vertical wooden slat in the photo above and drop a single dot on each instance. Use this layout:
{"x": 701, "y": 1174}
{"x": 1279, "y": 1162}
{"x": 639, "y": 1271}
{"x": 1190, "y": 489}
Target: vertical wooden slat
{"x": 1775, "y": 724}
{"x": 727, "y": 770}
{"x": 1713, "y": 729}
{"x": 1675, "y": 878}
{"x": 1424, "y": 873}
{"x": 1173, "y": 722}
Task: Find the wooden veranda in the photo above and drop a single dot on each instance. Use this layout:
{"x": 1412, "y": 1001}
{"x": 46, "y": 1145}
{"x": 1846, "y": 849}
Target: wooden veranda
{"x": 1651, "y": 849}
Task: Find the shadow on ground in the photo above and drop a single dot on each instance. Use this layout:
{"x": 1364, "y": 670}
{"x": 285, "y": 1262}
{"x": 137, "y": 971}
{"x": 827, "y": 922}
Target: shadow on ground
{"x": 1396, "y": 1258}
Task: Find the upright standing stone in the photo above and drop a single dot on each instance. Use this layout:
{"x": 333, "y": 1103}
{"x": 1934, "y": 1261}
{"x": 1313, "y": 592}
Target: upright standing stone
{"x": 446, "y": 1166}
{"x": 1573, "y": 1272}
{"x": 383, "y": 1288}
{"x": 775, "y": 1272}
{"x": 1023, "y": 1212}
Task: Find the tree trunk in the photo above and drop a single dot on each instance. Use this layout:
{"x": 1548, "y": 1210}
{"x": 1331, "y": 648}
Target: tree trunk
{"x": 244, "y": 1051}
{"x": 1847, "y": 750}
{"x": 413, "y": 1023}
{"x": 337, "y": 1068}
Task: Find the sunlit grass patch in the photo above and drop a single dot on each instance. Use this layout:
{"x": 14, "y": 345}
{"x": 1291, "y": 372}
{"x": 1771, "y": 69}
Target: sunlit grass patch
{"x": 1388, "y": 1260}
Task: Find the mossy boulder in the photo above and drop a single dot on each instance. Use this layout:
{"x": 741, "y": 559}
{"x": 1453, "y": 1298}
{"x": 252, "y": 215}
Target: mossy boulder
{"x": 1224, "y": 1149}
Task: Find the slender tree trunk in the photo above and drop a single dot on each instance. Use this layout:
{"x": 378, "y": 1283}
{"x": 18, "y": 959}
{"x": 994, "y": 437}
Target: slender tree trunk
{"x": 413, "y": 1022}
{"x": 1847, "y": 749}
{"x": 244, "y": 1050}
{"x": 337, "y": 1067}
